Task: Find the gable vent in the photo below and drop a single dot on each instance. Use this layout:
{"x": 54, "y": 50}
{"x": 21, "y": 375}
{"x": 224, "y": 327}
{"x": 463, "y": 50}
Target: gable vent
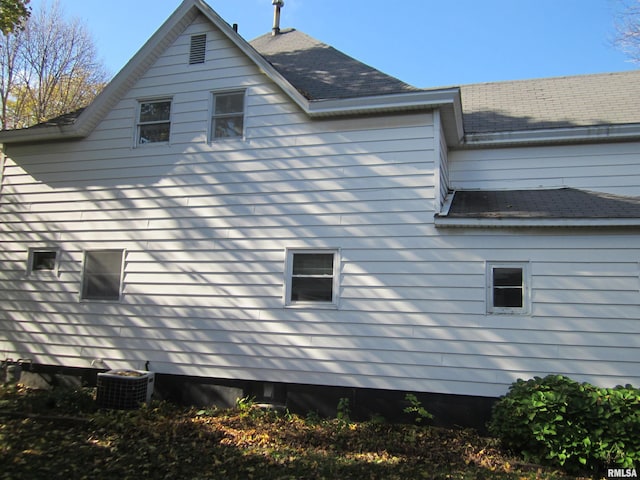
{"x": 198, "y": 48}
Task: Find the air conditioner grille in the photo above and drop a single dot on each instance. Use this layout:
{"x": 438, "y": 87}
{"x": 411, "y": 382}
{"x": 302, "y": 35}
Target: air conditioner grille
{"x": 124, "y": 389}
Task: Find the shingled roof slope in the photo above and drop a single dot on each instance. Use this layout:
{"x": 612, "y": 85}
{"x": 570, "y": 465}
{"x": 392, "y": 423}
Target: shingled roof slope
{"x": 321, "y": 72}
{"x": 584, "y": 100}
{"x": 561, "y": 203}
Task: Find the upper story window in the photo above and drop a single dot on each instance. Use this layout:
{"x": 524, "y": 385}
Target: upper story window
{"x": 508, "y": 288}
{"x": 154, "y": 123}
{"x": 102, "y": 275}
{"x": 312, "y": 277}
{"x": 197, "y": 49}
{"x": 227, "y": 120}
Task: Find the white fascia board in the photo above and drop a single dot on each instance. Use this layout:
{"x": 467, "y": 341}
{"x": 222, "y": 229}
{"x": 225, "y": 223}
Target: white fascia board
{"x": 553, "y": 135}
{"x": 398, "y": 101}
{"x": 445, "y": 222}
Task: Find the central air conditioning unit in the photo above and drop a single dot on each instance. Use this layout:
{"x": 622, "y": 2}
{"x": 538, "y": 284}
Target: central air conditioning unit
{"x": 124, "y": 389}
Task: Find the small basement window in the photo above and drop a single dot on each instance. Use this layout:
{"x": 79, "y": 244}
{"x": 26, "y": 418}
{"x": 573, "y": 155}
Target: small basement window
{"x": 508, "y": 288}
{"x": 312, "y": 277}
{"x": 154, "y": 123}
{"x": 42, "y": 260}
{"x": 227, "y": 120}
{"x": 102, "y": 275}
{"x": 198, "y": 49}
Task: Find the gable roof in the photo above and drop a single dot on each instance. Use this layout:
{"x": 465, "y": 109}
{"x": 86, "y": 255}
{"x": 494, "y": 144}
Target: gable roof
{"x": 321, "y": 72}
{"x": 388, "y": 94}
{"x": 544, "y": 207}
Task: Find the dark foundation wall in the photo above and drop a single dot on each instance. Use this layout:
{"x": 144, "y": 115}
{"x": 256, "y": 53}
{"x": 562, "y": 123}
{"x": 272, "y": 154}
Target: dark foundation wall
{"x": 363, "y": 404}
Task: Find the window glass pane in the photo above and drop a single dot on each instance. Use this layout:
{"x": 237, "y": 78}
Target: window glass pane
{"x": 313, "y": 264}
{"x": 507, "y": 277}
{"x": 507, "y": 297}
{"x": 44, "y": 261}
{"x": 155, "y": 111}
{"x": 229, "y": 103}
{"x": 102, "y": 275}
{"x": 157, "y": 132}
{"x": 227, "y": 127}
{"x": 312, "y": 289}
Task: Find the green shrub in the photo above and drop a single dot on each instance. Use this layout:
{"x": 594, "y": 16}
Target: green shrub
{"x": 415, "y": 406}
{"x": 558, "y": 421}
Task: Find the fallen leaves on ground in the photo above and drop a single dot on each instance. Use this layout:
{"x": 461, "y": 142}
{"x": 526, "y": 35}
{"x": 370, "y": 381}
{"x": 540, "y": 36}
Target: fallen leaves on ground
{"x": 163, "y": 441}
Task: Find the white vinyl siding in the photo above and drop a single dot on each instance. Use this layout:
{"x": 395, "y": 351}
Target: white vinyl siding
{"x": 607, "y": 167}
{"x": 206, "y": 226}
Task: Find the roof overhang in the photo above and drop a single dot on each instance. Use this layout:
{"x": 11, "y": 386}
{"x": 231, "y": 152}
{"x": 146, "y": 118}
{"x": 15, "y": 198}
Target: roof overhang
{"x": 446, "y": 100}
{"x": 445, "y": 222}
{"x": 493, "y": 214}
{"x": 577, "y": 134}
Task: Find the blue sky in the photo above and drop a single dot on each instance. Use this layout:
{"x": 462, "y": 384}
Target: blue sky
{"x": 427, "y": 43}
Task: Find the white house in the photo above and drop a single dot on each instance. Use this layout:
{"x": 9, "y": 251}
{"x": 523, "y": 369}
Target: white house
{"x": 275, "y": 212}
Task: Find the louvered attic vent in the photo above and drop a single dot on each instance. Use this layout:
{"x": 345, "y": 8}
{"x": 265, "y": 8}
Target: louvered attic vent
{"x": 198, "y": 48}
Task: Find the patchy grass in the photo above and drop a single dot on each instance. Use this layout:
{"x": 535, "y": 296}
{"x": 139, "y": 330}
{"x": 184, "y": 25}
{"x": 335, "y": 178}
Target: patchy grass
{"x": 62, "y": 435}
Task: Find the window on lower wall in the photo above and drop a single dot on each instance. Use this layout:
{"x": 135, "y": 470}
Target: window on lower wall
{"x": 102, "y": 275}
{"x": 42, "y": 260}
{"x": 312, "y": 277}
{"x": 508, "y": 288}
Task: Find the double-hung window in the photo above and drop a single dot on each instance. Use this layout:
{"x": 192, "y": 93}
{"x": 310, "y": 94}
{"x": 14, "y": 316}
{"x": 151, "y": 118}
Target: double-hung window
{"x": 312, "y": 277}
{"x": 227, "y": 120}
{"x": 508, "y": 288}
{"x": 102, "y": 275}
{"x": 154, "y": 122}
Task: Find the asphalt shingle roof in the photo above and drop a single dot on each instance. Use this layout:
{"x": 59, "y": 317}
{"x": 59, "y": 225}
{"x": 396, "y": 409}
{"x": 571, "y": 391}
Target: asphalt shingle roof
{"x": 565, "y": 203}
{"x": 585, "y": 100}
{"x": 321, "y": 72}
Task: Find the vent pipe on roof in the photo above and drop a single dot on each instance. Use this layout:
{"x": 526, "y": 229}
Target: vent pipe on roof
{"x": 278, "y": 4}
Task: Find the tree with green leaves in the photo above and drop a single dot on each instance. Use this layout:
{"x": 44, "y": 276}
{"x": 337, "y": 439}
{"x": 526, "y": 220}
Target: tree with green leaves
{"x": 13, "y": 14}
{"x": 47, "y": 69}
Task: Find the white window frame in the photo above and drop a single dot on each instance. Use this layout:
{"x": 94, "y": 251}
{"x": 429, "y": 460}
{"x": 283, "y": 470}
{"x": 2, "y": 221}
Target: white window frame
{"x": 288, "y": 281}
{"x": 526, "y": 288}
{"x": 33, "y": 251}
{"x": 83, "y": 286}
{"x": 140, "y": 124}
{"x": 213, "y": 116}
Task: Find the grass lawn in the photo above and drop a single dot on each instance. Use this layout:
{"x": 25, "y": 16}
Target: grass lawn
{"x": 61, "y": 435}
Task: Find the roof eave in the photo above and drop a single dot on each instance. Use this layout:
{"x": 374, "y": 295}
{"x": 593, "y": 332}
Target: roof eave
{"x": 447, "y": 100}
{"x": 443, "y": 221}
{"x": 578, "y": 134}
